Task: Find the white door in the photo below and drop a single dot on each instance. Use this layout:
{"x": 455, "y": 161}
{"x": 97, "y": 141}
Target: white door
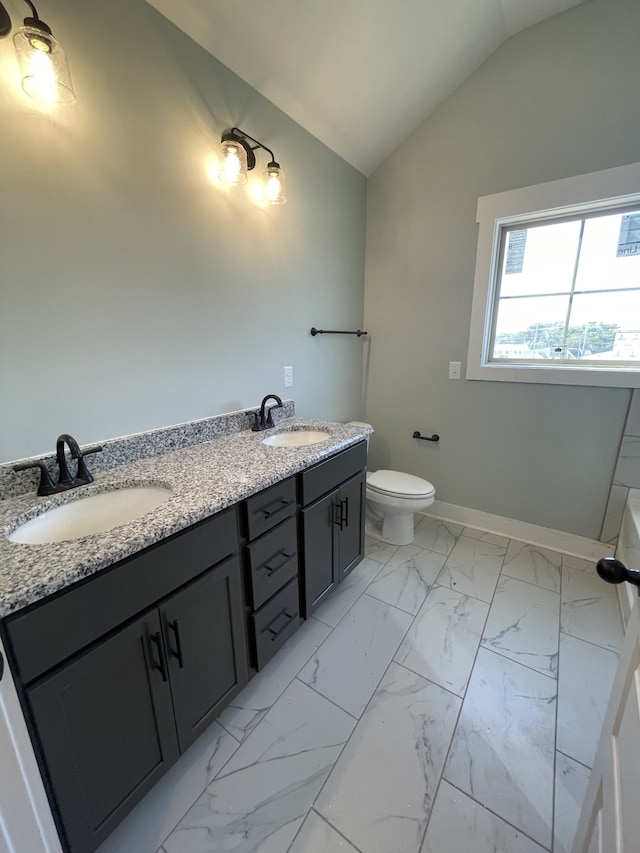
{"x": 610, "y": 819}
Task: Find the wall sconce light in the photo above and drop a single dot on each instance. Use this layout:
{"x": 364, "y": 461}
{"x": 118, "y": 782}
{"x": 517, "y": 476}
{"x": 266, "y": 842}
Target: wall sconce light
{"x": 43, "y": 63}
{"x": 238, "y": 158}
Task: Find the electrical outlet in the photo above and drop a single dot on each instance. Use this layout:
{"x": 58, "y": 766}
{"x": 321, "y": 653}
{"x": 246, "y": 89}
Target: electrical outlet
{"x": 288, "y": 376}
{"x": 454, "y": 370}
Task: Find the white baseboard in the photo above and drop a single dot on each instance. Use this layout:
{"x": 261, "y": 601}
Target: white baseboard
{"x": 545, "y": 537}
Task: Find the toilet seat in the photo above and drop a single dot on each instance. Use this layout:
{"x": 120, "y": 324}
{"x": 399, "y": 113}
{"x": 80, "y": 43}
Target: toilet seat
{"x": 400, "y": 485}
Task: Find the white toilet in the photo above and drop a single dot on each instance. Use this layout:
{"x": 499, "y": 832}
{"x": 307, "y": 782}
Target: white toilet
{"x": 392, "y": 500}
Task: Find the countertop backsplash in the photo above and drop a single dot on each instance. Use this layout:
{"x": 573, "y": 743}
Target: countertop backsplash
{"x": 131, "y": 448}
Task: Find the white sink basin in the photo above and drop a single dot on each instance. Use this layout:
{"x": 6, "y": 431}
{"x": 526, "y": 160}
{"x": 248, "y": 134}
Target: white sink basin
{"x": 296, "y": 438}
{"x": 91, "y": 514}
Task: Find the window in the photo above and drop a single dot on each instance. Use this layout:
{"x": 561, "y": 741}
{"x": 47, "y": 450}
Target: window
{"x": 557, "y": 287}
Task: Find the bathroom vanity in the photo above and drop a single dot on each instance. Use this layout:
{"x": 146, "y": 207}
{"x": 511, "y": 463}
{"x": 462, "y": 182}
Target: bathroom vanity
{"x": 120, "y": 674}
{"x": 119, "y": 670}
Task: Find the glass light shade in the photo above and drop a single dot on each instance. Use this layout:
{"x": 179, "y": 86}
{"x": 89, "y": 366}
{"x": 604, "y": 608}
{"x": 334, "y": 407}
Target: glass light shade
{"x": 233, "y": 169}
{"x": 274, "y": 184}
{"x": 43, "y": 67}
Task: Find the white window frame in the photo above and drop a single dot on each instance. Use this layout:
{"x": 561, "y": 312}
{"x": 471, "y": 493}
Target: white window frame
{"x": 580, "y": 194}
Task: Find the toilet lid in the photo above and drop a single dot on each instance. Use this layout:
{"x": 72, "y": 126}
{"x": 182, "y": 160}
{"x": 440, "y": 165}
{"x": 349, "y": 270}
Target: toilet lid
{"x": 397, "y": 483}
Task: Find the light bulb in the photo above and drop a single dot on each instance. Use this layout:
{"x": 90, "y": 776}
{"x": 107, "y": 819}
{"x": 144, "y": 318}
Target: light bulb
{"x": 234, "y": 163}
{"x": 274, "y": 184}
{"x": 40, "y": 79}
{"x": 231, "y": 165}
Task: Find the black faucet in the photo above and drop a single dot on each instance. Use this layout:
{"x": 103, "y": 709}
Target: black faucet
{"x": 261, "y": 422}
{"x": 65, "y": 480}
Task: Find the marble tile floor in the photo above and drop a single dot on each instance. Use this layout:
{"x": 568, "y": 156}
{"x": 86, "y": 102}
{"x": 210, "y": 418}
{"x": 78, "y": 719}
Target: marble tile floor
{"x": 447, "y": 698}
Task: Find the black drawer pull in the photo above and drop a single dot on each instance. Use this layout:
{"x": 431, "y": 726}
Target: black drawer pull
{"x": 268, "y": 513}
{"x": 173, "y": 626}
{"x": 288, "y": 617}
{"x": 337, "y": 514}
{"x": 346, "y": 512}
{"x": 160, "y": 666}
{"x": 271, "y": 570}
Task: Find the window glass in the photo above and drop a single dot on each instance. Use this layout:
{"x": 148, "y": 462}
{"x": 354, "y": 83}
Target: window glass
{"x": 604, "y": 261}
{"x": 545, "y": 262}
{"x": 556, "y": 291}
{"x": 569, "y": 290}
{"x": 530, "y": 327}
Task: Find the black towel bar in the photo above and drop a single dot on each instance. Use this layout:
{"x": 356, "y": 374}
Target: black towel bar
{"x": 434, "y": 437}
{"x": 315, "y": 332}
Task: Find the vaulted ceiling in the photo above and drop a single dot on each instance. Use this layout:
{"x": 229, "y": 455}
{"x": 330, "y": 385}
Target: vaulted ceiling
{"x": 360, "y": 75}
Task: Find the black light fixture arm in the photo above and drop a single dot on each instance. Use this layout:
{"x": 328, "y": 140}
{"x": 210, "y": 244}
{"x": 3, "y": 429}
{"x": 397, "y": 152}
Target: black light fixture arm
{"x": 240, "y": 136}
{"x": 33, "y": 9}
{"x": 5, "y": 22}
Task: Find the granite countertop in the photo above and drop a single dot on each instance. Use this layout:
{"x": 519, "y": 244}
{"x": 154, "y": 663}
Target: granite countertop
{"x": 204, "y": 478}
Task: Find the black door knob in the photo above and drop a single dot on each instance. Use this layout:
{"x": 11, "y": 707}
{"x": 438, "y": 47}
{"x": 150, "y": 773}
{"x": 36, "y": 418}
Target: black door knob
{"x": 613, "y": 571}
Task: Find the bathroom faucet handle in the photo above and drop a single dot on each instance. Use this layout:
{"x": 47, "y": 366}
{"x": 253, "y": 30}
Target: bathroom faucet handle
{"x": 82, "y": 474}
{"x": 97, "y": 448}
{"x": 46, "y": 486}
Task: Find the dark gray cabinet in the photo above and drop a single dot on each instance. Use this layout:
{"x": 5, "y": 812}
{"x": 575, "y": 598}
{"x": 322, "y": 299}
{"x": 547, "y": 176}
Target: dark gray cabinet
{"x": 119, "y": 673}
{"x": 271, "y": 559}
{"x": 332, "y": 523}
{"x": 110, "y": 717}
{"x": 106, "y": 729}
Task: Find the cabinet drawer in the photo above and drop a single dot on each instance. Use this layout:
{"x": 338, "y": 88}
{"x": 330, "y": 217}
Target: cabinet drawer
{"x": 276, "y": 622}
{"x": 325, "y": 476}
{"x": 273, "y": 561}
{"x": 270, "y": 507}
{"x": 53, "y": 630}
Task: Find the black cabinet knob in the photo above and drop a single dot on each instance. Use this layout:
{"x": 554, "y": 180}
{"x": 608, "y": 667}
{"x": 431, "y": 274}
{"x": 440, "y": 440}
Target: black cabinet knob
{"x": 612, "y": 570}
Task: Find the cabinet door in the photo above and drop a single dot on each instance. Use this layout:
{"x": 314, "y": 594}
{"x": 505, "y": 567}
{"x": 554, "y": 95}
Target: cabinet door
{"x": 204, "y": 636}
{"x": 318, "y": 525}
{"x": 105, "y": 725}
{"x": 351, "y": 537}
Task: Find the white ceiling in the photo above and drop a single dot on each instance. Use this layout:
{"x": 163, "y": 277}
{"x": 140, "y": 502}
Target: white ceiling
{"x": 360, "y": 75}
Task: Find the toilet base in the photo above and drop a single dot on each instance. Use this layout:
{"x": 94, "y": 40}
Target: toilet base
{"x": 392, "y": 529}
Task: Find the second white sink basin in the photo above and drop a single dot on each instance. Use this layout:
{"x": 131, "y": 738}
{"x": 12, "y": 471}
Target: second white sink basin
{"x": 296, "y": 438}
{"x": 91, "y": 514}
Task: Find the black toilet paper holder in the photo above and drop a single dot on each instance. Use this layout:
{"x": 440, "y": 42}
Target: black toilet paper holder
{"x": 434, "y": 437}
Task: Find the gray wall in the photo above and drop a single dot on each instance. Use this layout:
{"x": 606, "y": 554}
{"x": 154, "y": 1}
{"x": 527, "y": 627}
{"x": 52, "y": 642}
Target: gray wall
{"x": 556, "y": 100}
{"x": 135, "y": 291}
{"x": 627, "y": 472}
